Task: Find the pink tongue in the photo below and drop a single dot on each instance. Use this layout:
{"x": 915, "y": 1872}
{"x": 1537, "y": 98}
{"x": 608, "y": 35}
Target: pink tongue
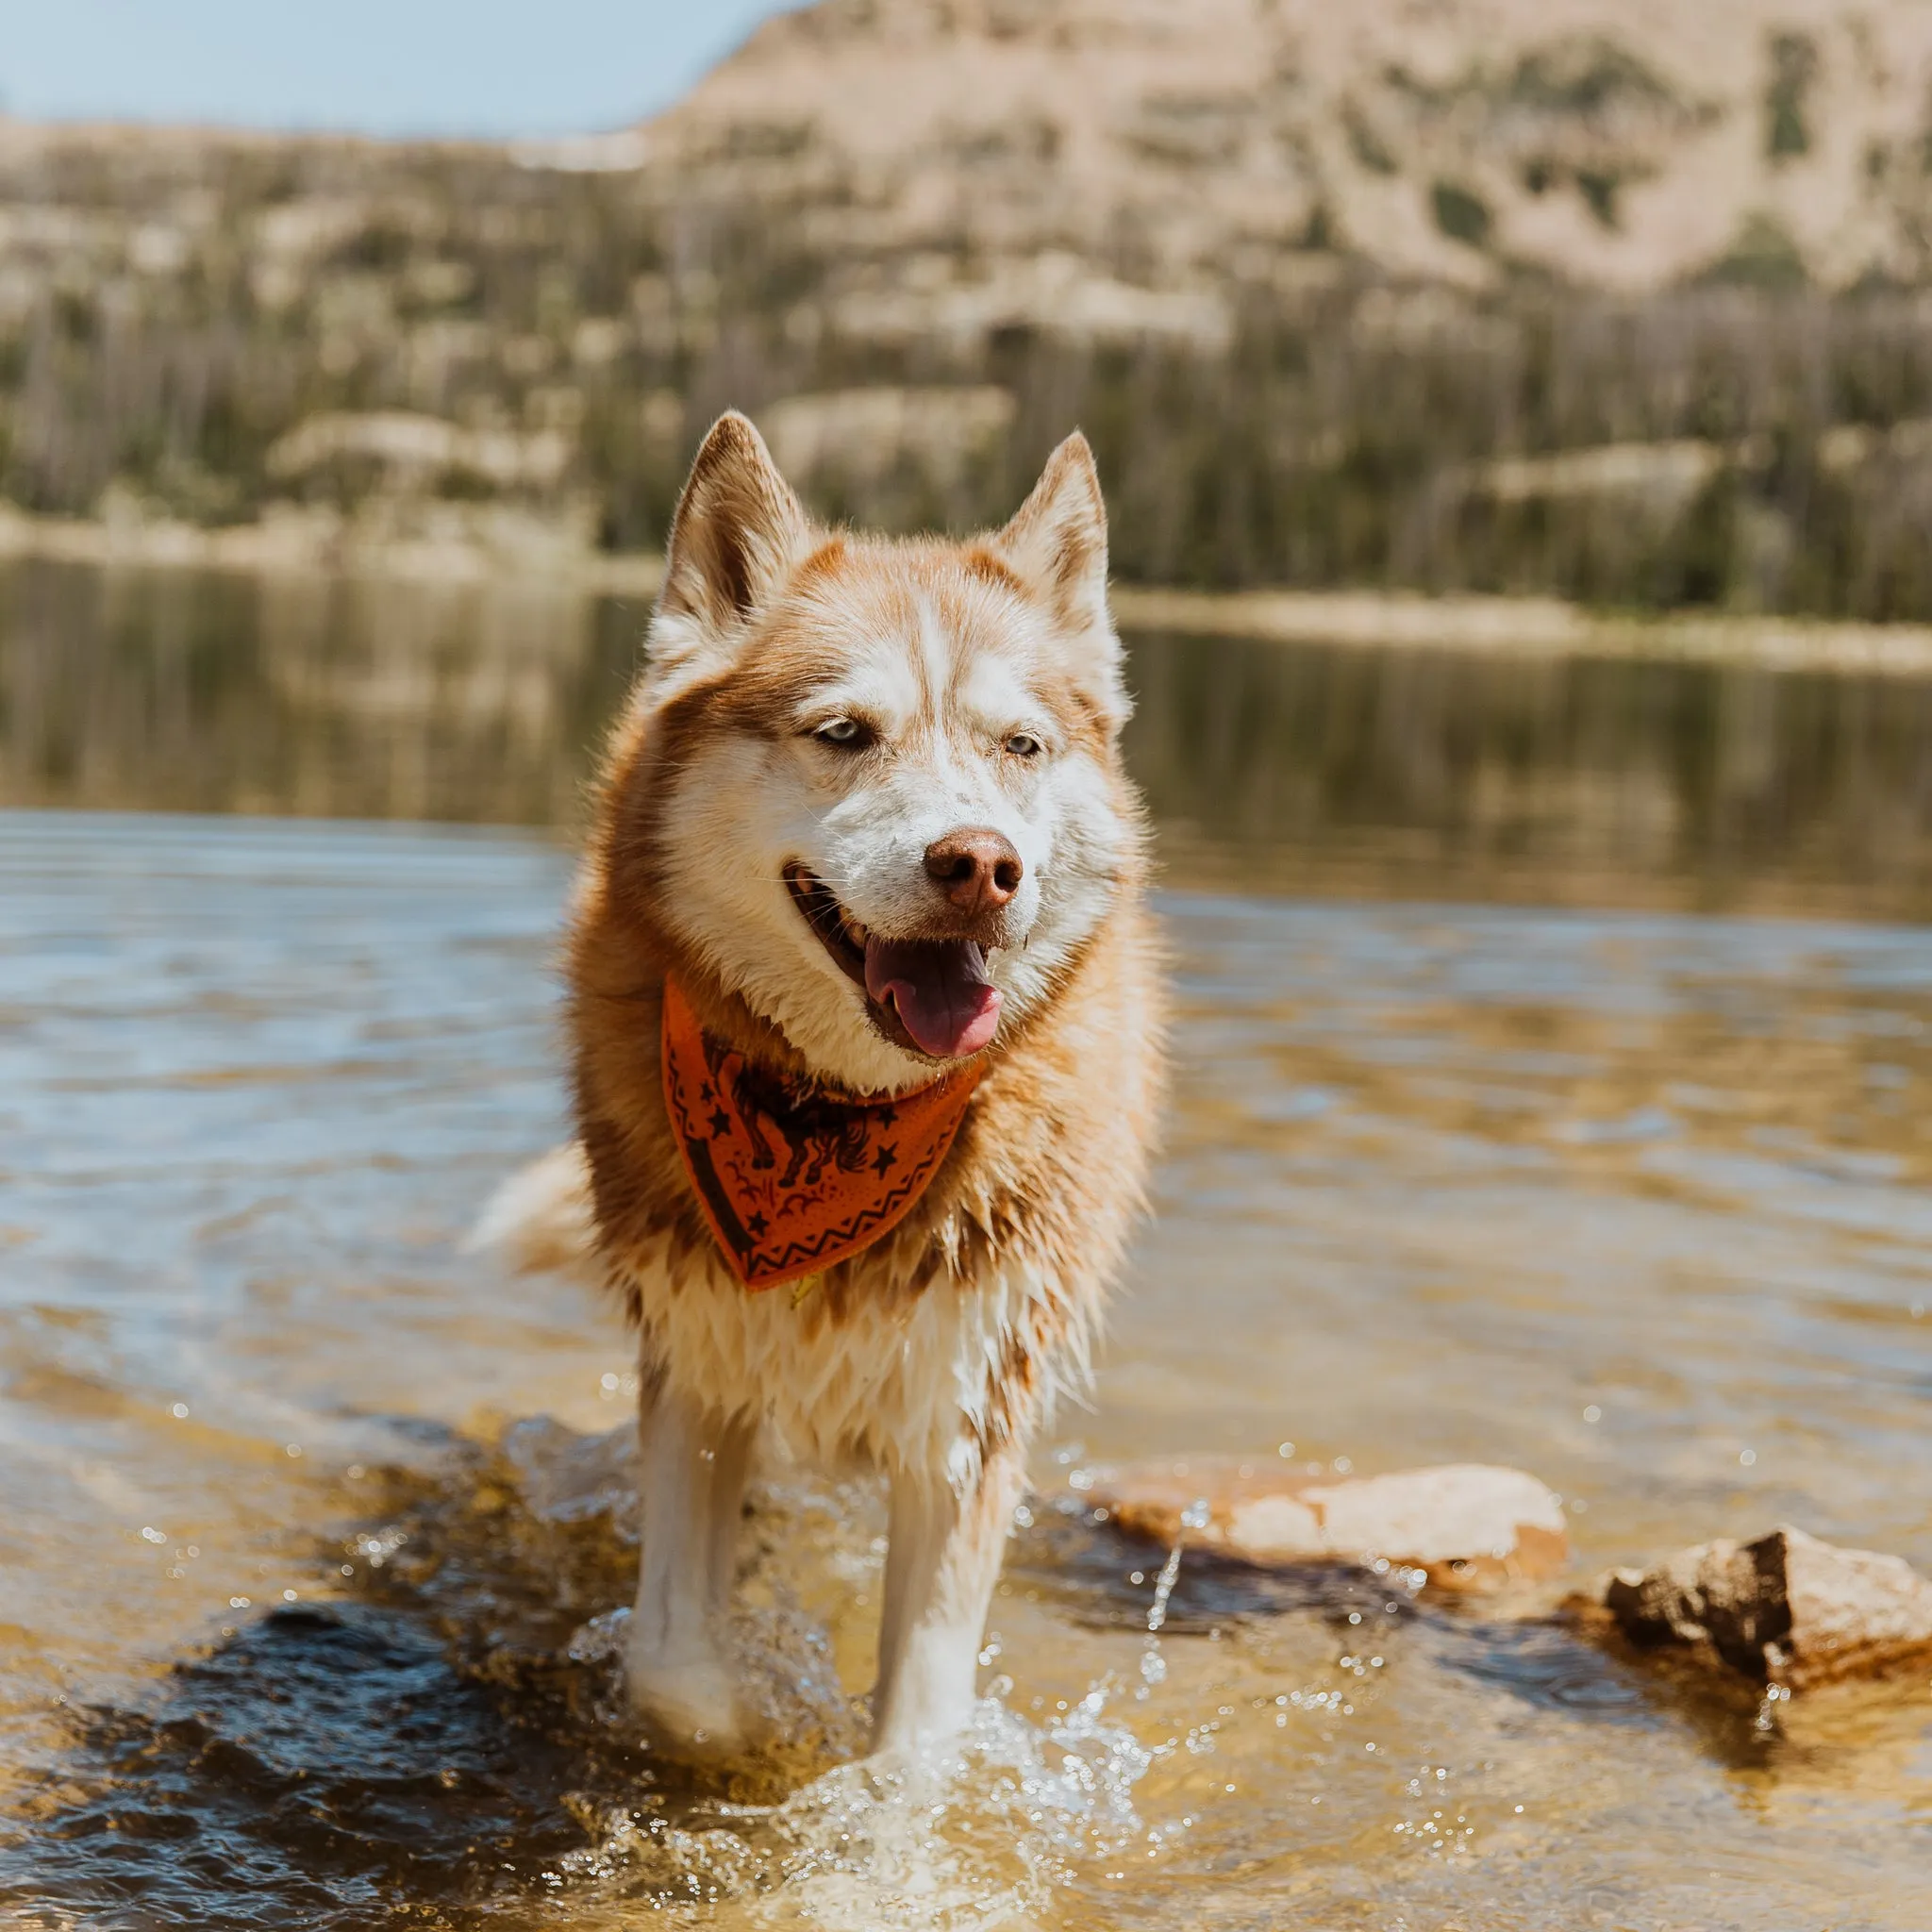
{"x": 943, "y": 996}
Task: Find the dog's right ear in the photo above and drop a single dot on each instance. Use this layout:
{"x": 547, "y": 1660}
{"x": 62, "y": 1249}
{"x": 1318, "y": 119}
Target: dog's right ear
{"x": 739, "y": 529}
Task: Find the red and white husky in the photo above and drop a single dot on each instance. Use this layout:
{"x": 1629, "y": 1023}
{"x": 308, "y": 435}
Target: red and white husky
{"x": 859, "y": 969}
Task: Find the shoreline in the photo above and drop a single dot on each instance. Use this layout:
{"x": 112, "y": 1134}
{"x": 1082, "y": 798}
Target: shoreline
{"x": 302, "y": 544}
{"x": 511, "y": 551}
{"x": 1530, "y": 627}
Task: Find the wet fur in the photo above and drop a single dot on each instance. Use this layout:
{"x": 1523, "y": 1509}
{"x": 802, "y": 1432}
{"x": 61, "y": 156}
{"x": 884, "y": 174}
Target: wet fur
{"x": 933, "y": 1355}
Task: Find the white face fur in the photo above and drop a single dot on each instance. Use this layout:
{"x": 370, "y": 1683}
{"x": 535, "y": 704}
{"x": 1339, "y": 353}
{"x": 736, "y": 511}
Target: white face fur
{"x": 904, "y": 698}
{"x": 953, "y": 734}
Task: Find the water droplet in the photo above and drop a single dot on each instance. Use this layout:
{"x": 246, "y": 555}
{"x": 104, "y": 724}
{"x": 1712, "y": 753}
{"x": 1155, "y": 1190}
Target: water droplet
{"x": 179, "y": 1411}
{"x": 1197, "y": 1514}
{"x": 1343, "y": 1465}
{"x": 1284, "y": 1451}
{"x": 1747, "y": 1457}
{"x": 1163, "y": 1587}
{"x": 1593, "y": 1413}
{"x": 150, "y": 1534}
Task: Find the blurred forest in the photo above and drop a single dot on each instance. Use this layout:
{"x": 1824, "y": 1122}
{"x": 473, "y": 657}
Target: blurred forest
{"x": 335, "y": 336}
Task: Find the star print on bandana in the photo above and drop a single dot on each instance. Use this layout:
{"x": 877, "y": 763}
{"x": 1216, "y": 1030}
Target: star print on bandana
{"x": 793, "y": 1180}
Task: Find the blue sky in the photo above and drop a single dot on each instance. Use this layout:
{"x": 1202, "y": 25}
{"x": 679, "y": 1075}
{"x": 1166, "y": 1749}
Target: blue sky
{"x": 484, "y": 67}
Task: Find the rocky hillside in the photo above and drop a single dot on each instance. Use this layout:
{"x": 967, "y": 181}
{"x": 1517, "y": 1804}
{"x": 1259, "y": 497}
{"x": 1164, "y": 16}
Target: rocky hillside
{"x": 1623, "y": 301}
{"x": 1625, "y": 144}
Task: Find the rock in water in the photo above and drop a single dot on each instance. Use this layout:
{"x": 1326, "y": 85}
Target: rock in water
{"x": 1786, "y": 1610}
{"x": 1468, "y": 1526}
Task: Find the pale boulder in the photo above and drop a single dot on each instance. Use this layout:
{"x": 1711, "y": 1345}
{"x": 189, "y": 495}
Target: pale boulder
{"x": 1467, "y": 1525}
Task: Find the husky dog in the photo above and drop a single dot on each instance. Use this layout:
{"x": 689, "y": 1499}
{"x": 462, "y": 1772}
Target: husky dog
{"x": 861, "y": 915}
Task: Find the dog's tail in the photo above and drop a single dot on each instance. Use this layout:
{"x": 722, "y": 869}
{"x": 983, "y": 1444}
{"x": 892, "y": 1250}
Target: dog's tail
{"x": 539, "y": 1220}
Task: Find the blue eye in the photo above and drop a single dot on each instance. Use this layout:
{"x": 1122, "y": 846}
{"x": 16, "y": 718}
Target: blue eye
{"x": 1022, "y": 744}
{"x": 847, "y": 732}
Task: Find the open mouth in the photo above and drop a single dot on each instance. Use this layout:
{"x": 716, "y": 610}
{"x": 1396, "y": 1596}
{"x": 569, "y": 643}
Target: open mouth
{"x": 932, "y": 997}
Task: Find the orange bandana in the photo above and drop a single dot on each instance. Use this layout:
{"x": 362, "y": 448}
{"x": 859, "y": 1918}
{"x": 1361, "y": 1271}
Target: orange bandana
{"x": 793, "y": 1180}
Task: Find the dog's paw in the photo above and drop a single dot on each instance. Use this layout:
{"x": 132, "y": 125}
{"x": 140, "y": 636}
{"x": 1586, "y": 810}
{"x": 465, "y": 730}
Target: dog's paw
{"x": 689, "y": 1704}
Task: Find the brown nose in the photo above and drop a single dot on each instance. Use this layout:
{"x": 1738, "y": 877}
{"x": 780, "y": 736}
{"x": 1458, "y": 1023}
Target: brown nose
{"x": 976, "y": 867}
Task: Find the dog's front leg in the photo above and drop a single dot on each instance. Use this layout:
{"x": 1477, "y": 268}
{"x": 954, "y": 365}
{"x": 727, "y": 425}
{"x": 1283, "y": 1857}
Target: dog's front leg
{"x": 692, "y": 1466}
{"x": 940, "y": 1567}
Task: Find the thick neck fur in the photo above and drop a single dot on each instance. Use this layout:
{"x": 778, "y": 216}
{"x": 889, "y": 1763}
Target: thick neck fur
{"x": 1045, "y": 1172}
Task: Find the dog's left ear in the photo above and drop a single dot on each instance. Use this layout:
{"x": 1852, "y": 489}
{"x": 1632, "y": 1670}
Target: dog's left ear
{"x": 1057, "y": 541}
{"x": 1056, "y": 546}
{"x": 738, "y": 531}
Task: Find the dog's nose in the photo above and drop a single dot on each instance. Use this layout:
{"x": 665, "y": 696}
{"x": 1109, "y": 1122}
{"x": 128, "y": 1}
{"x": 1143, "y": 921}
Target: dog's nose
{"x": 976, "y": 867}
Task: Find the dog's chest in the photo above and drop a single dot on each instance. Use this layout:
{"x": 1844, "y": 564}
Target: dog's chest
{"x": 897, "y": 1378}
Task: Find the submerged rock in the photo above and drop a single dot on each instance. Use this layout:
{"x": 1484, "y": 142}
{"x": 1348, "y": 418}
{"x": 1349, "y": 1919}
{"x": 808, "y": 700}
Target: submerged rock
{"x": 1467, "y": 1525}
{"x": 1786, "y": 1609}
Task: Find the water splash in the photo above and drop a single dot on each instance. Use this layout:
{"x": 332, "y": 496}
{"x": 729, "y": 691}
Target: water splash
{"x": 1768, "y": 1724}
{"x": 958, "y": 1841}
{"x": 963, "y": 1838}
{"x": 1153, "y": 1663}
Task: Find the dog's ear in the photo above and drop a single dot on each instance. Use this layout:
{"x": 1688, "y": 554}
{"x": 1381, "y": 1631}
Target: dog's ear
{"x": 1057, "y": 541}
{"x": 1056, "y": 546}
{"x": 738, "y": 530}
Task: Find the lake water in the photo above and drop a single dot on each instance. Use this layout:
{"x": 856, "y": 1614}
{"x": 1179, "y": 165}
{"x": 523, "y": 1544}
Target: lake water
{"x": 1553, "y": 1056}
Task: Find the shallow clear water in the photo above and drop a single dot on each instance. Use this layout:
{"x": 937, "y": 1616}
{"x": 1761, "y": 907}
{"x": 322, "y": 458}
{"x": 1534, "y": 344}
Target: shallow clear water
{"x": 311, "y": 1519}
